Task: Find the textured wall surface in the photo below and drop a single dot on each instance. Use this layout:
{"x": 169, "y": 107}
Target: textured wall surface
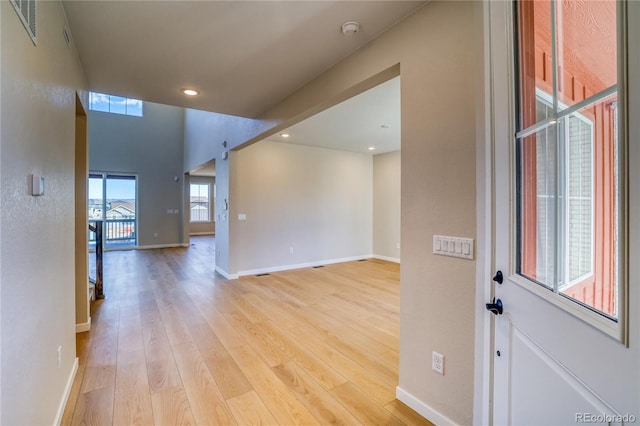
{"x": 37, "y": 249}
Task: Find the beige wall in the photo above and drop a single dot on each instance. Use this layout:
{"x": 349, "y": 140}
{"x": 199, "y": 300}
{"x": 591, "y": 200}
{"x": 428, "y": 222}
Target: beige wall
{"x": 203, "y": 228}
{"x": 386, "y": 206}
{"x": 315, "y": 201}
{"x": 434, "y": 51}
{"x": 37, "y": 247}
{"x": 151, "y": 147}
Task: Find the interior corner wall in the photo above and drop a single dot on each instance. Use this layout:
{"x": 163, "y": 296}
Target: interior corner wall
{"x": 386, "y": 206}
{"x": 150, "y": 147}
{"x": 303, "y": 205}
{"x": 37, "y": 249}
{"x": 204, "y": 228}
{"x": 434, "y": 51}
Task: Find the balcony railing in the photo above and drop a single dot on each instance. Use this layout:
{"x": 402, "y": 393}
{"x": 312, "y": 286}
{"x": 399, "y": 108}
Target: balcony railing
{"x": 116, "y": 232}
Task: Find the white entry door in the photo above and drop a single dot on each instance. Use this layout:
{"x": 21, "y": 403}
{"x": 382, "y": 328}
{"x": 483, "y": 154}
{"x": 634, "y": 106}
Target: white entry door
{"x": 564, "y": 349}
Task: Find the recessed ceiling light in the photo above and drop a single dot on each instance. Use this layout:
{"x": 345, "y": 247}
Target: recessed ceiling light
{"x": 371, "y": 148}
{"x": 189, "y": 92}
{"x": 284, "y": 135}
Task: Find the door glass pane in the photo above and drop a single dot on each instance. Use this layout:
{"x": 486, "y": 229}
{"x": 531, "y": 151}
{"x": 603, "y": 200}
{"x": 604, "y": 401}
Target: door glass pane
{"x": 537, "y": 205}
{"x": 120, "y": 213}
{"x": 535, "y": 62}
{"x": 95, "y": 197}
{"x": 593, "y": 199}
{"x": 586, "y": 45}
{"x": 568, "y": 193}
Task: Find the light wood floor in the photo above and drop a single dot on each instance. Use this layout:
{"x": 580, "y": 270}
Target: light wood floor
{"x": 175, "y": 344}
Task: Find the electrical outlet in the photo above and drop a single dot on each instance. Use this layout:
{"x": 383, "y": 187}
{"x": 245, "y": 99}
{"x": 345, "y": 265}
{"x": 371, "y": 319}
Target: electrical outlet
{"x": 437, "y": 362}
{"x": 290, "y": 250}
{"x": 59, "y": 356}
{"x": 155, "y": 234}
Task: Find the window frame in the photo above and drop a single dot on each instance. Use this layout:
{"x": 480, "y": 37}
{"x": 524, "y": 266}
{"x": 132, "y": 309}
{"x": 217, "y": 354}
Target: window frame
{"x": 126, "y": 105}
{"x": 208, "y": 185}
{"x": 563, "y": 128}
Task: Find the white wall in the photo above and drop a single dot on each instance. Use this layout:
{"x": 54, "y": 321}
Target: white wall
{"x": 314, "y": 200}
{"x": 38, "y": 104}
{"x": 386, "y": 206}
{"x": 150, "y": 147}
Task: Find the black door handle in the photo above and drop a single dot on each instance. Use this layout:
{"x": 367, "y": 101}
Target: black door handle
{"x": 495, "y": 307}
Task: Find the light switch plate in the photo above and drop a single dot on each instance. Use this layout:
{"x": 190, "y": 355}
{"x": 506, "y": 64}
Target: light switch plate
{"x": 453, "y": 246}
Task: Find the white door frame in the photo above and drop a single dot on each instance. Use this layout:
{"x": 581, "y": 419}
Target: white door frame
{"x": 483, "y": 368}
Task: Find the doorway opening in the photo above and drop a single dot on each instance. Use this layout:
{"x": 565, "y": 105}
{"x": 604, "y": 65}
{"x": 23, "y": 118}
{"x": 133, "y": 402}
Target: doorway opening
{"x": 112, "y": 201}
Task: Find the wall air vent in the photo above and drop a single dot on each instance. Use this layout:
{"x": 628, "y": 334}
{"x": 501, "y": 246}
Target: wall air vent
{"x": 26, "y": 10}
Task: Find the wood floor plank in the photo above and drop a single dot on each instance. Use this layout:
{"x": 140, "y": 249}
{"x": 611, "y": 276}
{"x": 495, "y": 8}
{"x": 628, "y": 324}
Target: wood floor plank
{"x": 248, "y": 409}
{"x": 282, "y": 403}
{"x": 224, "y": 331}
{"x": 318, "y": 401}
{"x": 175, "y": 343}
{"x": 206, "y": 400}
{"x": 171, "y": 407}
{"x": 363, "y": 407}
{"x": 372, "y": 385}
{"x": 406, "y": 414}
{"x": 82, "y": 350}
{"x": 314, "y": 366}
{"x": 162, "y": 372}
{"x": 100, "y": 369}
{"x": 94, "y": 407}
{"x": 132, "y": 404}
{"x": 254, "y": 336}
{"x": 230, "y": 379}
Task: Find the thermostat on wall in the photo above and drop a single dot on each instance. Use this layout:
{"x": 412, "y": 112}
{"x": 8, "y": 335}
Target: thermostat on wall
{"x": 37, "y": 185}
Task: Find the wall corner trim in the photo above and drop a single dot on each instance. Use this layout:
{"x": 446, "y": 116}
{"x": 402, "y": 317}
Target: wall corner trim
{"x": 303, "y": 265}
{"x": 67, "y": 392}
{"x": 387, "y": 258}
{"x": 423, "y": 409}
{"x": 82, "y": 327}
{"x": 226, "y": 274}
{"x": 159, "y": 246}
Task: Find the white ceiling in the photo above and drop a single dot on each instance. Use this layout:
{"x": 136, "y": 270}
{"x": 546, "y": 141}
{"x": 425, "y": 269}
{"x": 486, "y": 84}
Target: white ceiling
{"x": 244, "y": 56}
{"x": 355, "y": 124}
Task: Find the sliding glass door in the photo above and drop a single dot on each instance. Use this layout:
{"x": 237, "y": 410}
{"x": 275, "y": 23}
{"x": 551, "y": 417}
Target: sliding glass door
{"x": 112, "y": 200}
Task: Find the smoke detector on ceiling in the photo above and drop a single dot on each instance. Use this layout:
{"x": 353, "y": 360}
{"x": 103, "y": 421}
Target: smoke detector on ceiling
{"x": 350, "y": 27}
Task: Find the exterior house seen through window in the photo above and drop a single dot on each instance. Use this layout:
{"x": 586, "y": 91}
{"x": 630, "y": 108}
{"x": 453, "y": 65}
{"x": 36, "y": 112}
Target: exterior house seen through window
{"x": 115, "y": 104}
{"x": 199, "y": 207}
{"x": 567, "y": 151}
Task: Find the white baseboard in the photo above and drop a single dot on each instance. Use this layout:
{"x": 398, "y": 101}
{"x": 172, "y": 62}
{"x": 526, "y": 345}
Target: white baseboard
{"x": 201, "y": 233}
{"x": 302, "y": 265}
{"x": 423, "y": 409}
{"x": 226, "y": 274}
{"x": 387, "y": 258}
{"x": 159, "y": 246}
{"x": 82, "y": 327}
{"x": 67, "y": 392}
